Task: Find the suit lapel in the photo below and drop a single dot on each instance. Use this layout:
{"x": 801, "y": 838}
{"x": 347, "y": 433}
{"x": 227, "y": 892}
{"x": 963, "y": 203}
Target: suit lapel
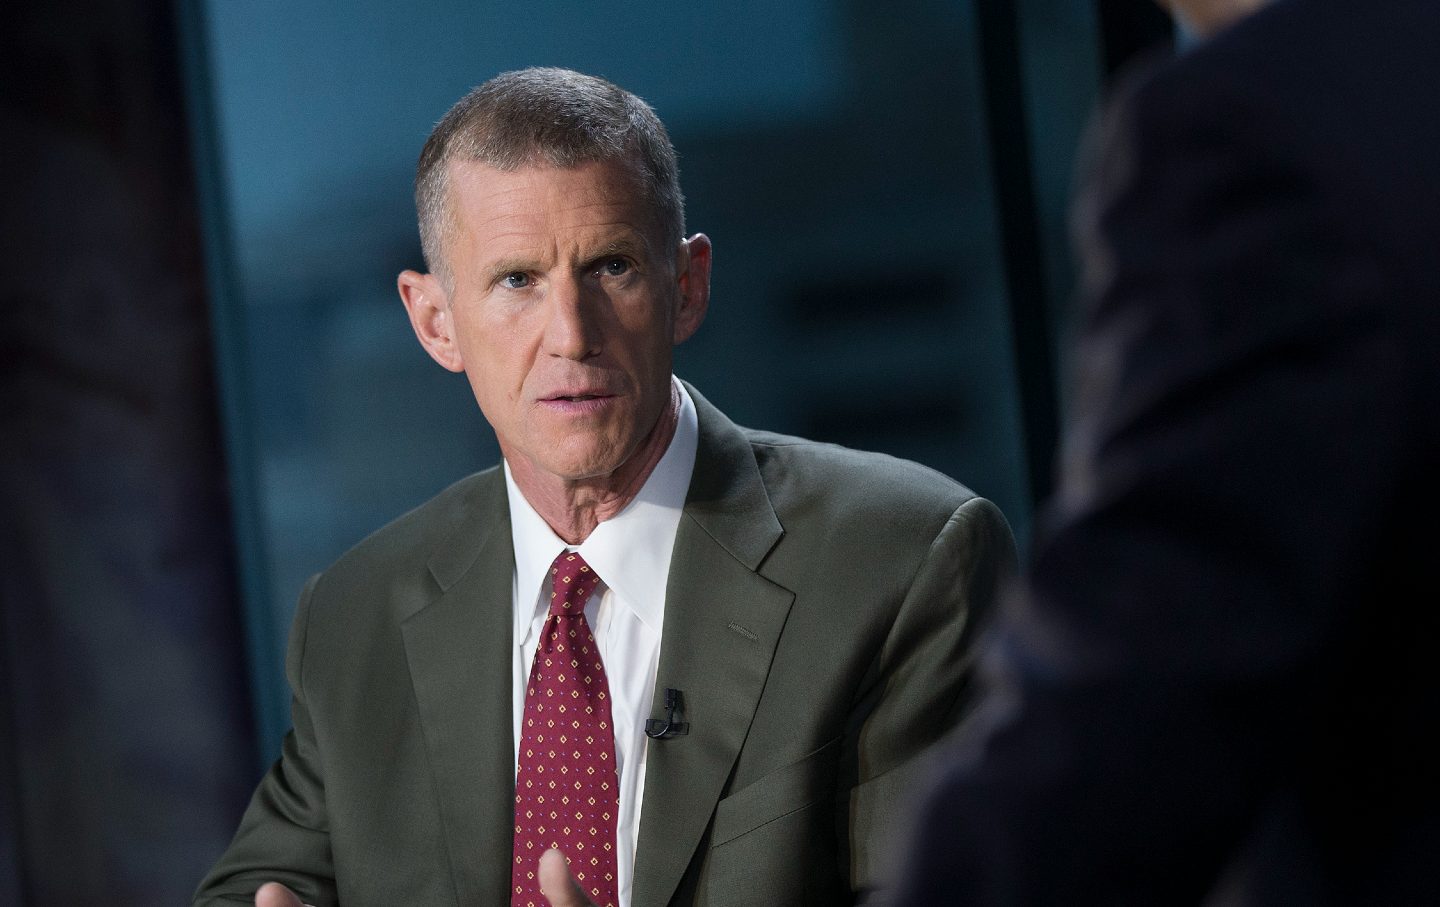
{"x": 722, "y": 623}
{"x": 459, "y": 651}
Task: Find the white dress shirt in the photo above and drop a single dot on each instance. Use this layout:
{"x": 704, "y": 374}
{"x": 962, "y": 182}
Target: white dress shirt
{"x": 630, "y": 552}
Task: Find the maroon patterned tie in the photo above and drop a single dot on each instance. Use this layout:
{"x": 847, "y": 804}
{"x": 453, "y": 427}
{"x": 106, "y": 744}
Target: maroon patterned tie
{"x": 567, "y": 787}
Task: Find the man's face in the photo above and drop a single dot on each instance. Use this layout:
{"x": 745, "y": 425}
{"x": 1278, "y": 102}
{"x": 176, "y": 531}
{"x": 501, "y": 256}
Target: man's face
{"x": 563, "y": 312}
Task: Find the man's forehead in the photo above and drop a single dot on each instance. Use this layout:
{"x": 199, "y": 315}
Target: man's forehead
{"x": 614, "y": 178}
{"x": 599, "y": 197}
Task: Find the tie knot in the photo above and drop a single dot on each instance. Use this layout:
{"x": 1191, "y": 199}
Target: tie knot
{"x": 571, "y": 582}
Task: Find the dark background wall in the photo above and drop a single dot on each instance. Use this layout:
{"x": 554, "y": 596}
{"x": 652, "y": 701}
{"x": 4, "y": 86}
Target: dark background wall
{"x": 125, "y": 728}
{"x": 210, "y": 390}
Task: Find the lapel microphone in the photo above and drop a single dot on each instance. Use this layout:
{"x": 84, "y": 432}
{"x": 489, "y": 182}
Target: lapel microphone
{"x": 667, "y": 727}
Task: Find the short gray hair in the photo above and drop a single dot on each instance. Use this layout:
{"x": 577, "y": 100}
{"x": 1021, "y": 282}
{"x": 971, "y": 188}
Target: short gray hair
{"x": 545, "y": 115}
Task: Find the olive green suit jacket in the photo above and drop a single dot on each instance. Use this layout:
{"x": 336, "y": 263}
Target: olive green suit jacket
{"x": 818, "y": 620}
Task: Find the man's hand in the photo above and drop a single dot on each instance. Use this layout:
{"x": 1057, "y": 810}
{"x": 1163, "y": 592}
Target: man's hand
{"x": 273, "y": 894}
{"x": 556, "y": 883}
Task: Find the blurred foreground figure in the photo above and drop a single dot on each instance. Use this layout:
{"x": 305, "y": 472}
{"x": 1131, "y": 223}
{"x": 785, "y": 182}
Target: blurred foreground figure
{"x": 1217, "y": 685}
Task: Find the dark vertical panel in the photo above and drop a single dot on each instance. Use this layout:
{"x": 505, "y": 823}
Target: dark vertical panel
{"x": 129, "y": 744}
{"x": 1063, "y": 72}
{"x": 266, "y": 663}
{"x": 1018, "y": 214}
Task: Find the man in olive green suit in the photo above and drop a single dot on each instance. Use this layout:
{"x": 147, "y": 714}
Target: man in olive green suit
{"x": 813, "y": 606}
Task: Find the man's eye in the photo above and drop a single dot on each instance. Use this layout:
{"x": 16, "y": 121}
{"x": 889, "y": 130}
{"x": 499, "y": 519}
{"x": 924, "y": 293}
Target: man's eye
{"x": 614, "y": 267}
{"x": 516, "y": 280}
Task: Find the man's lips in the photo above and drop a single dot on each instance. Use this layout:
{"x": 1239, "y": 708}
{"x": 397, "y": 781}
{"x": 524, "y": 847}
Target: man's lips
{"x": 576, "y": 396}
{"x": 579, "y": 401}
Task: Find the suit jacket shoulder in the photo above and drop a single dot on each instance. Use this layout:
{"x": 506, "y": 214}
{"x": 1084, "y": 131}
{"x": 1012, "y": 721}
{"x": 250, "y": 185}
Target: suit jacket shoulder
{"x": 437, "y": 539}
{"x": 812, "y": 472}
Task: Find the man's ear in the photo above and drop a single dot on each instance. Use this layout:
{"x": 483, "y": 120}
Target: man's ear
{"x": 692, "y": 265}
{"x": 429, "y": 309}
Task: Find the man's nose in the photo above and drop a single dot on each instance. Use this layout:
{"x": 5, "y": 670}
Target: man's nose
{"x": 572, "y": 330}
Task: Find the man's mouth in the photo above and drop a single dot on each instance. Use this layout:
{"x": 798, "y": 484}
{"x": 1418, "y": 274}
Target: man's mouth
{"x": 579, "y": 398}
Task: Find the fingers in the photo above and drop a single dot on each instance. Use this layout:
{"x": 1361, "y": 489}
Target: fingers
{"x": 556, "y": 883}
{"x": 273, "y": 894}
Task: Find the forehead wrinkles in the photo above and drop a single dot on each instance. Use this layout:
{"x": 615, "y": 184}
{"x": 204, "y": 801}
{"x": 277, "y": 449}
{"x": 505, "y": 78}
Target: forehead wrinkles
{"x": 581, "y": 238}
{"x": 582, "y": 216}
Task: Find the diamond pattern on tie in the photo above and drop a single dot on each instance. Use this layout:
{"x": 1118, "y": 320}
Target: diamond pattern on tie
{"x": 566, "y": 786}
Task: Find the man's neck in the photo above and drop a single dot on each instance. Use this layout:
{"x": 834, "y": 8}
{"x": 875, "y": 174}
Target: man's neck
{"x": 573, "y": 508}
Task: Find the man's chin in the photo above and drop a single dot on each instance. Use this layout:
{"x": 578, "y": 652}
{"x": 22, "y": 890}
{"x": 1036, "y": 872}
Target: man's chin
{"x": 577, "y": 467}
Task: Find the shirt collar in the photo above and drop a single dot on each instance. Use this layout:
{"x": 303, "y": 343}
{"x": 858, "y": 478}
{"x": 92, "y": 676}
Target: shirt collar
{"x": 630, "y": 551}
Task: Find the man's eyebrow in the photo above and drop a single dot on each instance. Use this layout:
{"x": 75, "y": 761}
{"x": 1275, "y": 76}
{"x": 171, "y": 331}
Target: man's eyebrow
{"x": 512, "y": 265}
{"x": 634, "y": 248}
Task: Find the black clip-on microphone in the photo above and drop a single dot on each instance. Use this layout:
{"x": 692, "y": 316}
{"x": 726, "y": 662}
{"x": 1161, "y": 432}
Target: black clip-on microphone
{"x": 667, "y": 727}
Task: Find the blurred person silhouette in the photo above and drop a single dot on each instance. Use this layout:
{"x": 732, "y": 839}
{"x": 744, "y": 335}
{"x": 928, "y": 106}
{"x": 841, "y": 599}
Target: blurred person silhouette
{"x": 767, "y": 632}
{"x": 1216, "y": 681}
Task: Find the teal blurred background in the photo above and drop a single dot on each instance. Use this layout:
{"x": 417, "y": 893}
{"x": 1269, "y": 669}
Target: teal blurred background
{"x": 885, "y": 184}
